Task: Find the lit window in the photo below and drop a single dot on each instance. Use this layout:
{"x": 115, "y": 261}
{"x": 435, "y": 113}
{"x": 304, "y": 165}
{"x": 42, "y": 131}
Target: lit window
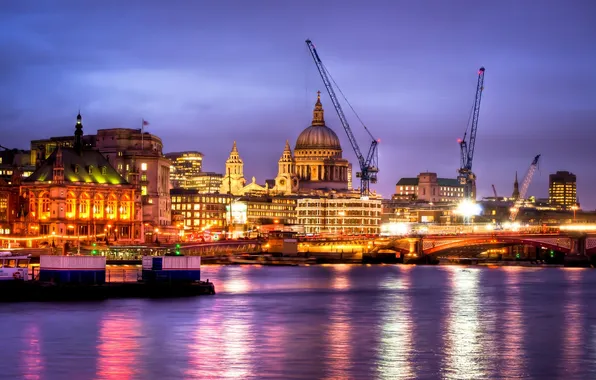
{"x": 143, "y": 190}
{"x": 144, "y": 166}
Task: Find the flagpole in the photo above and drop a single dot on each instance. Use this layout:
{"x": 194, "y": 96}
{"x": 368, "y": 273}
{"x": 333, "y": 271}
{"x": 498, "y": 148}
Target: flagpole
{"x": 142, "y": 135}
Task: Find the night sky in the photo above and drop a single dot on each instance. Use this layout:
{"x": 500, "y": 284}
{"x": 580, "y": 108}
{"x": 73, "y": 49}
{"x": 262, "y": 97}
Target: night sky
{"x": 205, "y": 73}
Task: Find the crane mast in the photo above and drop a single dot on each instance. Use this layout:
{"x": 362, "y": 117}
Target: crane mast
{"x": 495, "y": 192}
{"x": 369, "y": 164}
{"x": 466, "y": 176}
{"x": 524, "y": 188}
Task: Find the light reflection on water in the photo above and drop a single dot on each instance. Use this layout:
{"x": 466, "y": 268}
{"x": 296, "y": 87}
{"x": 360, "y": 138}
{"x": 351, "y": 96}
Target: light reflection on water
{"x": 396, "y": 331}
{"x": 464, "y": 345}
{"x": 332, "y": 322}
{"x": 512, "y": 325}
{"x": 31, "y": 357}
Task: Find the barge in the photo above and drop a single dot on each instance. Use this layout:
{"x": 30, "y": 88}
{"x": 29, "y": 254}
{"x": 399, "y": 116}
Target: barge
{"x": 83, "y": 278}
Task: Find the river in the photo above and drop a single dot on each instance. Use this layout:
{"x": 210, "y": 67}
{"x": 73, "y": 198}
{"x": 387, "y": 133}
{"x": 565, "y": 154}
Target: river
{"x": 321, "y": 322}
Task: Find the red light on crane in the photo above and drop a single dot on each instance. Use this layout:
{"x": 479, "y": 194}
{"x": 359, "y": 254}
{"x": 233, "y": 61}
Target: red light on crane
{"x": 459, "y": 141}
{"x": 379, "y": 141}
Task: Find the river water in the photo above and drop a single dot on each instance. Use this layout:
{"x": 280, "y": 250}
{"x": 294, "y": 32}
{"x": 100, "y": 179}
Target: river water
{"x": 321, "y": 322}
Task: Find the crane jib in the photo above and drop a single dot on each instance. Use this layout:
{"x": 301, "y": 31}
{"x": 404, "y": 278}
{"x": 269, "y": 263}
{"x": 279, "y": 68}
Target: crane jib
{"x": 368, "y": 165}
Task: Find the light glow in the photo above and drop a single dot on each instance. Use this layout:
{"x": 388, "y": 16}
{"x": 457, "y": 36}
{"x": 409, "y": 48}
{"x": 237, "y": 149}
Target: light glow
{"x": 468, "y": 208}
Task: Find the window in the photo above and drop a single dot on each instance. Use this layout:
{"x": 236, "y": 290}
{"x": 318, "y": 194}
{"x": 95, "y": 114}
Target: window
{"x": 119, "y": 154}
{"x": 104, "y": 170}
{"x": 143, "y": 190}
{"x": 127, "y": 167}
{"x": 76, "y": 168}
{"x": 143, "y": 166}
{"x": 90, "y": 169}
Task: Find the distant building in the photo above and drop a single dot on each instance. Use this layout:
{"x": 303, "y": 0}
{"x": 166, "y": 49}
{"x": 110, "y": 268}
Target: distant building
{"x": 427, "y": 187}
{"x": 131, "y": 151}
{"x": 350, "y": 216}
{"x": 185, "y": 166}
{"x": 205, "y": 182}
{"x": 42, "y": 149}
{"x": 15, "y": 162}
{"x": 562, "y": 192}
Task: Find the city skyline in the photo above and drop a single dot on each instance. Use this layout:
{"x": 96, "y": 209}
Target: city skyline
{"x": 204, "y": 77}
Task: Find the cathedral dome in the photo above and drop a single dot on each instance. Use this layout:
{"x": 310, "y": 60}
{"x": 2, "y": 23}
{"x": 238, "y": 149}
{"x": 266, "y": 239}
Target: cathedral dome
{"x": 318, "y": 135}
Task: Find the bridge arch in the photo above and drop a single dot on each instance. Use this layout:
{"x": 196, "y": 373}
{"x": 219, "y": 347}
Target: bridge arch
{"x": 435, "y": 245}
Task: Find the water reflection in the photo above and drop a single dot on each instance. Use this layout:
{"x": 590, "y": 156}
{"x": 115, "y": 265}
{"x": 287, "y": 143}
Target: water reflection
{"x": 31, "y": 358}
{"x": 464, "y": 350}
{"x": 204, "y": 350}
{"x": 338, "y": 350}
{"x": 512, "y": 351}
{"x": 118, "y": 346}
{"x": 573, "y": 329}
{"x": 396, "y": 346}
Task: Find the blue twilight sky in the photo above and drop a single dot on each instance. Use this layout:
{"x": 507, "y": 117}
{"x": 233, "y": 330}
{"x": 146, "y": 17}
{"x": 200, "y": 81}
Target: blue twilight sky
{"x": 205, "y": 73}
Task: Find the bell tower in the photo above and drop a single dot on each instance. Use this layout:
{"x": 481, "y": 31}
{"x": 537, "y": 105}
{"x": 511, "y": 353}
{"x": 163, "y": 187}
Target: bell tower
{"x": 286, "y": 181}
{"x": 233, "y": 181}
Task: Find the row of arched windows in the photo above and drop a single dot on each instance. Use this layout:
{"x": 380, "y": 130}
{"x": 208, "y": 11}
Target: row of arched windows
{"x": 85, "y": 207}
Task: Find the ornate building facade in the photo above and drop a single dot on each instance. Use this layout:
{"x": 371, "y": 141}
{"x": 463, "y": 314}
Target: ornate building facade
{"x": 318, "y": 155}
{"x": 76, "y": 194}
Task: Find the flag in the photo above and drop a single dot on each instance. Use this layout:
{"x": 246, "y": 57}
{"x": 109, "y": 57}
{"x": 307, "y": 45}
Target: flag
{"x": 145, "y": 122}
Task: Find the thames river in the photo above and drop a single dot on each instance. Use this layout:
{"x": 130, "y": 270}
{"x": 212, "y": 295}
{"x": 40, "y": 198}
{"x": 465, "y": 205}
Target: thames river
{"x": 321, "y": 322}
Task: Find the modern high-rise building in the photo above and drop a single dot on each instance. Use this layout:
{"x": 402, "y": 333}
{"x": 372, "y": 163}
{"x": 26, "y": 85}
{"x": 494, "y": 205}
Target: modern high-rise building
{"x": 562, "y": 192}
{"x": 185, "y": 166}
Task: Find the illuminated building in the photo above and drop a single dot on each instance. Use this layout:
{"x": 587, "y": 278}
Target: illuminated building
{"x": 427, "y": 187}
{"x": 562, "y": 191}
{"x": 318, "y": 155}
{"x": 199, "y": 211}
{"x": 350, "y": 216}
{"x": 185, "y": 166}
{"x": 131, "y": 151}
{"x": 261, "y": 210}
{"x": 205, "y": 182}
{"x": 76, "y": 193}
{"x": 14, "y": 161}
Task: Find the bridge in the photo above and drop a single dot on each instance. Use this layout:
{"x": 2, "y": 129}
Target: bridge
{"x": 566, "y": 243}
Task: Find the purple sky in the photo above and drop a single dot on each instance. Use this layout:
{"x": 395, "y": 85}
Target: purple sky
{"x": 205, "y": 73}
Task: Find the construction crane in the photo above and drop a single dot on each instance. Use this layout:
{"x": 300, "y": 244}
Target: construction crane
{"x": 369, "y": 164}
{"x": 466, "y": 176}
{"x": 495, "y": 192}
{"x": 524, "y": 189}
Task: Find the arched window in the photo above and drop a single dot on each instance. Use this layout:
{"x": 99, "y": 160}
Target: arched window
{"x": 71, "y": 204}
{"x": 44, "y": 206}
{"x": 125, "y": 207}
{"x": 98, "y": 206}
{"x": 84, "y": 205}
{"x": 112, "y": 208}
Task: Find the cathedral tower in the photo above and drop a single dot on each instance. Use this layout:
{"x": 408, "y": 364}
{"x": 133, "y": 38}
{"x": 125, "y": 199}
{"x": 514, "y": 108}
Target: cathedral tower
{"x": 233, "y": 181}
{"x": 286, "y": 181}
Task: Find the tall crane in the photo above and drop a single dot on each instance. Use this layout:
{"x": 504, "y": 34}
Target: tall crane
{"x": 466, "y": 176}
{"x": 495, "y": 192}
{"x": 524, "y": 188}
{"x": 369, "y": 163}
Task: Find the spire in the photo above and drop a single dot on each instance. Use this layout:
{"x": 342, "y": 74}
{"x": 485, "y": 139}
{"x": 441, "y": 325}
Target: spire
{"x": 234, "y": 147}
{"x": 515, "y": 194}
{"x": 287, "y": 148}
{"x": 318, "y": 118}
{"x": 78, "y": 143}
